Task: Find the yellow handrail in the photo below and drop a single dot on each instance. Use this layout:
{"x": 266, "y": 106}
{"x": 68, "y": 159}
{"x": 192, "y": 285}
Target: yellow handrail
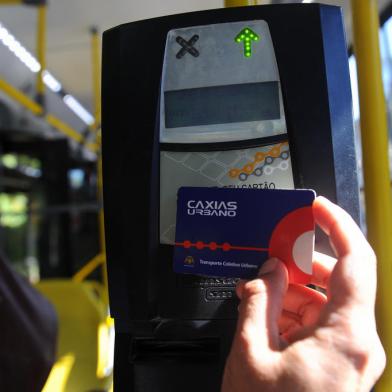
{"x": 375, "y": 165}
{"x": 41, "y": 50}
{"x": 21, "y": 98}
{"x": 64, "y": 128}
{"x": 10, "y": 2}
{"x": 37, "y": 109}
{"x": 88, "y": 268}
{"x": 239, "y": 3}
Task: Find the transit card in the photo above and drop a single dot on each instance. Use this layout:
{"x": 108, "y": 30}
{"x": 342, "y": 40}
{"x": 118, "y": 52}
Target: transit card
{"x": 226, "y": 232}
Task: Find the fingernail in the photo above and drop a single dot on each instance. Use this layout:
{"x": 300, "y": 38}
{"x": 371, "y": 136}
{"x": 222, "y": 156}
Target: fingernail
{"x": 323, "y": 199}
{"x": 268, "y": 266}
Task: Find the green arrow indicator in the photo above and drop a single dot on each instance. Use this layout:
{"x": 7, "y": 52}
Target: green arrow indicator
{"x": 247, "y": 35}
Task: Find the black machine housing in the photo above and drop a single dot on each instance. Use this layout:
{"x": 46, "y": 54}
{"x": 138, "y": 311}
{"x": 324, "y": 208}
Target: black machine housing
{"x": 174, "y": 332}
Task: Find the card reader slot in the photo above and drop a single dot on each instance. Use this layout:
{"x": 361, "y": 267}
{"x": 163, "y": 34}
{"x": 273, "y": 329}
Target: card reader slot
{"x": 192, "y": 281}
{"x": 151, "y": 350}
{"x": 224, "y": 146}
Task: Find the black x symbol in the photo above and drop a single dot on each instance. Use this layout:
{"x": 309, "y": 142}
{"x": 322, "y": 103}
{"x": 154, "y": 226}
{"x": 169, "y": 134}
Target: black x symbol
{"x": 187, "y": 46}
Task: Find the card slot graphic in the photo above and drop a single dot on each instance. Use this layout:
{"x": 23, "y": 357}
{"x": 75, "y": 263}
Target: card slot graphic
{"x": 214, "y": 246}
{"x": 262, "y": 162}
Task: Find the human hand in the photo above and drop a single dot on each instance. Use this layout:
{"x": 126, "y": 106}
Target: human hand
{"x": 292, "y": 338}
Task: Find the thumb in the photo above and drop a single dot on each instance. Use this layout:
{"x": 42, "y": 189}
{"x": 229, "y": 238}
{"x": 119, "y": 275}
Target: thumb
{"x": 261, "y": 306}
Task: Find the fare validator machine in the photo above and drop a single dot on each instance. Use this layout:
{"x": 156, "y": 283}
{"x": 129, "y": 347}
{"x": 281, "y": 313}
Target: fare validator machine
{"x": 251, "y": 97}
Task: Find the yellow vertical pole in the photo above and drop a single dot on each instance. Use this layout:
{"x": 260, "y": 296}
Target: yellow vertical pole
{"x": 239, "y": 3}
{"x": 96, "y": 60}
{"x": 10, "y": 2}
{"x": 375, "y": 165}
{"x": 95, "y": 46}
{"x": 41, "y": 50}
{"x": 101, "y": 222}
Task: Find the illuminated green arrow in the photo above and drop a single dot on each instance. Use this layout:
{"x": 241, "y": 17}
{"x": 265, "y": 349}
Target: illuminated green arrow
{"x": 247, "y": 35}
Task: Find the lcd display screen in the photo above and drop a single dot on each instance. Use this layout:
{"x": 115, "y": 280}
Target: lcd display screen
{"x": 222, "y": 104}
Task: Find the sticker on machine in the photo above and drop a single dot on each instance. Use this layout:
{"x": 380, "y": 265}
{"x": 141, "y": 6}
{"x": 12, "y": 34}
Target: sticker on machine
{"x": 264, "y": 167}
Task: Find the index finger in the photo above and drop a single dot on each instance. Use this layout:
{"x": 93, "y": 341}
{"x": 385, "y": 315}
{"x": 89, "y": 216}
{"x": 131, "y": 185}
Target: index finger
{"x": 338, "y": 225}
{"x": 353, "y": 280}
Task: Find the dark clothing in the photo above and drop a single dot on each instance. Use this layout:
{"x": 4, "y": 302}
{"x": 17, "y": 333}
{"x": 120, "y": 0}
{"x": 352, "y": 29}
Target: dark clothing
{"x": 28, "y": 333}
